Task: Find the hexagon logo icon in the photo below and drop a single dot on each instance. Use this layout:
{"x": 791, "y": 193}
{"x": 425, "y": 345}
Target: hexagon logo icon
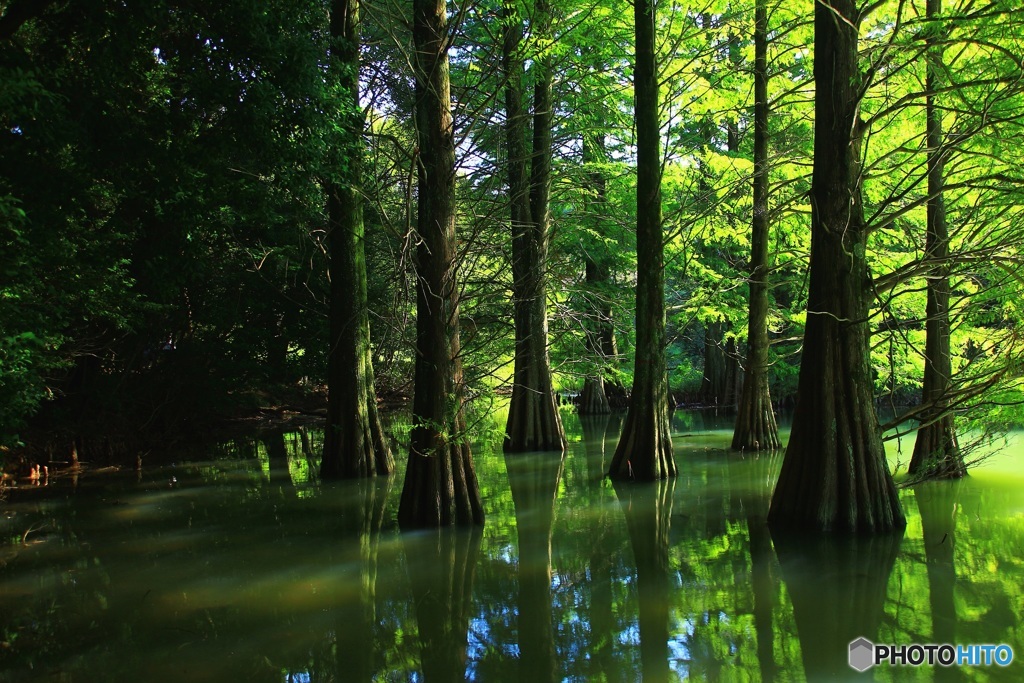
{"x": 862, "y": 654}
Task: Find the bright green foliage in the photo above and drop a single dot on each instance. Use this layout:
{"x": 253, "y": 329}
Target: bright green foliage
{"x": 161, "y": 185}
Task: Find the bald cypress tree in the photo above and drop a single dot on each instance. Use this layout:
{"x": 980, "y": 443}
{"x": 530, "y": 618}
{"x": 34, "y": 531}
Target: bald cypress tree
{"x": 936, "y": 450}
{"x": 354, "y": 442}
{"x": 533, "y": 419}
{"x": 756, "y": 428}
{"x": 440, "y": 487}
{"x": 834, "y": 476}
{"x": 645, "y": 446}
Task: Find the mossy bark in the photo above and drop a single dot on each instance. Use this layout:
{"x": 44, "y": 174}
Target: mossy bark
{"x": 835, "y": 477}
{"x": 354, "y": 441}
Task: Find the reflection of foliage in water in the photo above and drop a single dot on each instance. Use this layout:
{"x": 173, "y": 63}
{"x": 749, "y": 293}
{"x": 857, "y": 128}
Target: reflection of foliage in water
{"x": 243, "y": 566}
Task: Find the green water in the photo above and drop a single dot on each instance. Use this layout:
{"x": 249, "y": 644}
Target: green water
{"x": 240, "y": 566}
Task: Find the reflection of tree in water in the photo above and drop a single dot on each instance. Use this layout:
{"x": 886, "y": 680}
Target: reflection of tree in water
{"x": 441, "y": 564}
{"x": 937, "y": 502}
{"x": 358, "y": 653}
{"x": 277, "y": 458}
{"x": 648, "y": 511}
{"x": 752, "y": 478}
{"x": 534, "y": 479}
{"x": 600, "y": 435}
{"x": 838, "y": 587}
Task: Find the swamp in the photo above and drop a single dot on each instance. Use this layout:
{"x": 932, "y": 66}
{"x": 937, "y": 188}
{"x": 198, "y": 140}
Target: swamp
{"x": 237, "y": 563}
{"x": 348, "y": 340}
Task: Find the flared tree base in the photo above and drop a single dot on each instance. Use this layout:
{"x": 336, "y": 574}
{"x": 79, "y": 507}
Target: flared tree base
{"x": 756, "y": 428}
{"x": 937, "y": 452}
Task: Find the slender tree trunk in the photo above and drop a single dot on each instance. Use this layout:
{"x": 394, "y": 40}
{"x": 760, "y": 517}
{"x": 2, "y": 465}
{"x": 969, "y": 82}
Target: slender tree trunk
{"x": 534, "y": 423}
{"x": 834, "y": 477}
{"x": 645, "y": 447}
{"x": 354, "y": 442}
{"x": 440, "y": 482}
{"x": 936, "y": 451}
{"x": 599, "y": 330}
{"x": 756, "y": 428}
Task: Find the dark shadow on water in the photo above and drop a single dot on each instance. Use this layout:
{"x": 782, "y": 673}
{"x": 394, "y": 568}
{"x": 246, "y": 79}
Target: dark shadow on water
{"x": 441, "y": 565}
{"x": 753, "y": 476}
{"x": 600, "y": 435}
{"x": 838, "y": 589}
{"x": 358, "y": 651}
{"x": 937, "y": 502}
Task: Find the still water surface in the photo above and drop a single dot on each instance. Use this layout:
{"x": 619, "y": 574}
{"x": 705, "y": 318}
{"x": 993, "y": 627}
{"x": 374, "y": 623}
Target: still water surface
{"x": 240, "y": 566}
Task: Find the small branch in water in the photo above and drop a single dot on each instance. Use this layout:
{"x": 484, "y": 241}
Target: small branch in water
{"x": 24, "y": 536}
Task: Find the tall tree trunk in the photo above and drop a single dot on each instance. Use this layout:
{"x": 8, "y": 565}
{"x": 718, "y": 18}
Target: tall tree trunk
{"x": 600, "y": 335}
{"x": 440, "y": 481}
{"x": 645, "y": 446}
{"x": 756, "y": 428}
{"x": 354, "y": 442}
{"x": 834, "y": 477}
{"x": 534, "y": 423}
{"x": 936, "y": 451}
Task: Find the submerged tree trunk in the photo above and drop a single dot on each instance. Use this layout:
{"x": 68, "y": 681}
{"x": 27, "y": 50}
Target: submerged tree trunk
{"x": 756, "y": 428}
{"x": 837, "y": 587}
{"x": 936, "y": 451}
{"x": 534, "y": 423}
{"x": 357, "y": 654}
{"x": 354, "y": 442}
{"x": 440, "y": 482}
{"x": 834, "y": 477}
{"x": 645, "y": 447}
{"x": 937, "y": 502}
